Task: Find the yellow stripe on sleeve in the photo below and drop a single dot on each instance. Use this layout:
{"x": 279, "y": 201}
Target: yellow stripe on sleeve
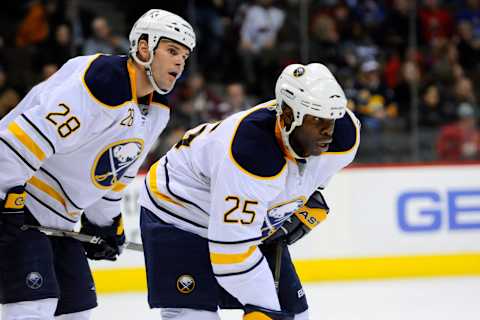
{"x": 152, "y": 183}
{"x": 43, "y": 186}
{"x": 256, "y": 315}
{"x": 119, "y": 186}
{"x": 25, "y": 139}
{"x": 228, "y": 258}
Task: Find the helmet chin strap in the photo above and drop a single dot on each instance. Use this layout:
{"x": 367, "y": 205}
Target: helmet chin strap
{"x": 286, "y": 135}
{"x": 148, "y": 70}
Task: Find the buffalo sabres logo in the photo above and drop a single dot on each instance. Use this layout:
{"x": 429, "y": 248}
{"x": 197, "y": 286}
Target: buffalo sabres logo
{"x": 114, "y": 161}
{"x": 185, "y": 284}
{"x": 300, "y": 71}
{"x": 278, "y": 214}
{"x": 34, "y": 280}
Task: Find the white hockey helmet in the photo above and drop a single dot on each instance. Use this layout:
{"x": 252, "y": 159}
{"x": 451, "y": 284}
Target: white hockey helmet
{"x": 158, "y": 24}
{"x": 308, "y": 89}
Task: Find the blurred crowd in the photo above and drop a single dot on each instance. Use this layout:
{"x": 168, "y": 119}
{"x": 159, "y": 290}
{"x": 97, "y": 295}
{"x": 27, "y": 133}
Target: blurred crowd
{"x": 409, "y": 68}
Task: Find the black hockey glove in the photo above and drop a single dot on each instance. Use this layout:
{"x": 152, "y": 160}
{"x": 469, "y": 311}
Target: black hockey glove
{"x": 302, "y": 221}
{"x": 113, "y": 236}
{"x": 257, "y": 313}
{"x": 12, "y": 214}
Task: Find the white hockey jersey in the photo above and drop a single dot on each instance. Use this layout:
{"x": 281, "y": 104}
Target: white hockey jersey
{"x": 77, "y": 139}
{"x": 233, "y": 183}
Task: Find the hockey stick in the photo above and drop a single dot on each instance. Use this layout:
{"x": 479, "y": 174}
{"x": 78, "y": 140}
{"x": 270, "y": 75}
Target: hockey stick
{"x": 80, "y": 236}
{"x": 278, "y": 264}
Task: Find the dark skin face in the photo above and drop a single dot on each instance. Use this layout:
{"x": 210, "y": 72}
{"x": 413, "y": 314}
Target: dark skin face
{"x": 312, "y": 137}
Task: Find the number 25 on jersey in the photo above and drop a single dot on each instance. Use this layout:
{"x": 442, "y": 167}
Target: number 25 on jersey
{"x": 234, "y": 215}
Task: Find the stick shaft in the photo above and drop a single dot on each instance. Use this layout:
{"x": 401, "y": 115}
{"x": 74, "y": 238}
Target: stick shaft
{"x": 80, "y": 236}
{"x": 278, "y": 264}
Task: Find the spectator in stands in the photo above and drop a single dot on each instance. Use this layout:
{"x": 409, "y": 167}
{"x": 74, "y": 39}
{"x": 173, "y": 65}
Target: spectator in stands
{"x": 325, "y": 40}
{"x": 371, "y": 14}
{"x": 410, "y": 77}
{"x": 259, "y": 38}
{"x": 372, "y": 100}
{"x": 432, "y": 112}
{"x": 461, "y": 139}
{"x": 440, "y": 58}
{"x": 80, "y": 18}
{"x": 210, "y": 28}
{"x": 235, "y": 100}
{"x": 48, "y": 70}
{"x": 470, "y": 11}
{"x": 60, "y": 49}
{"x": 363, "y": 45}
{"x": 463, "y": 92}
{"x": 9, "y": 97}
{"x": 396, "y": 25}
{"x": 33, "y": 29}
{"x": 194, "y": 101}
{"x": 257, "y": 45}
{"x": 468, "y": 47}
{"x": 435, "y": 21}
{"x": 103, "y": 40}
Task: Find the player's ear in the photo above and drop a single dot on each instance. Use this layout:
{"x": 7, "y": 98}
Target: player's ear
{"x": 287, "y": 115}
{"x": 143, "y": 52}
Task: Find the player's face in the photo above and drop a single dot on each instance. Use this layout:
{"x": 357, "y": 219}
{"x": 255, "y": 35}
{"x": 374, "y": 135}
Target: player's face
{"x": 313, "y": 137}
{"x": 168, "y": 63}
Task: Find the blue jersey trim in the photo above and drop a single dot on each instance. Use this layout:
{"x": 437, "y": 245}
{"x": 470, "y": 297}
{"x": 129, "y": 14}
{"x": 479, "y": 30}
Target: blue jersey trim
{"x": 254, "y": 146}
{"x": 344, "y": 135}
{"x": 108, "y": 80}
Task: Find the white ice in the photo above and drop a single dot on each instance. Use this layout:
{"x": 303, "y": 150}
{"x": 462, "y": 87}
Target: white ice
{"x": 413, "y": 299}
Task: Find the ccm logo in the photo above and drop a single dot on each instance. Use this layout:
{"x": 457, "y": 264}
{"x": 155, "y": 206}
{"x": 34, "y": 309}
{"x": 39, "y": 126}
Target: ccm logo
{"x": 430, "y": 211}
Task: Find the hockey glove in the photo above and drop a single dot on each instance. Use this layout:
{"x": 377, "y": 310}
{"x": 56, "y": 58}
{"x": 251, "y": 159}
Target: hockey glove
{"x": 113, "y": 236}
{"x": 12, "y": 212}
{"x": 257, "y": 313}
{"x": 302, "y": 221}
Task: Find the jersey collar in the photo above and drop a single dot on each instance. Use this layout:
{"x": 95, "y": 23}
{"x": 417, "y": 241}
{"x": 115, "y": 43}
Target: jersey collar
{"x": 132, "y": 73}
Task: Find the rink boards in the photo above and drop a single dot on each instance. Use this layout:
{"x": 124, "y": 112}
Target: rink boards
{"x": 385, "y": 222}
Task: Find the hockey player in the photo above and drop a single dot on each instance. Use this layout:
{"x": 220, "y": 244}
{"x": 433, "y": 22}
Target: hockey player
{"x": 215, "y": 206}
{"x": 67, "y": 151}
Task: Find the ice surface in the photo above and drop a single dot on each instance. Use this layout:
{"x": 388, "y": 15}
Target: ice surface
{"x": 422, "y": 299}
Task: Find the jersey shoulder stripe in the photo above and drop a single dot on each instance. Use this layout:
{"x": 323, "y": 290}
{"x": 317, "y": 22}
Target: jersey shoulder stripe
{"x": 254, "y": 147}
{"x": 107, "y": 79}
{"x": 345, "y": 134}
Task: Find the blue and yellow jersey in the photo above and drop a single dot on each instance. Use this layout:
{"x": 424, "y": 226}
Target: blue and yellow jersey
{"x": 78, "y": 138}
{"x": 233, "y": 182}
